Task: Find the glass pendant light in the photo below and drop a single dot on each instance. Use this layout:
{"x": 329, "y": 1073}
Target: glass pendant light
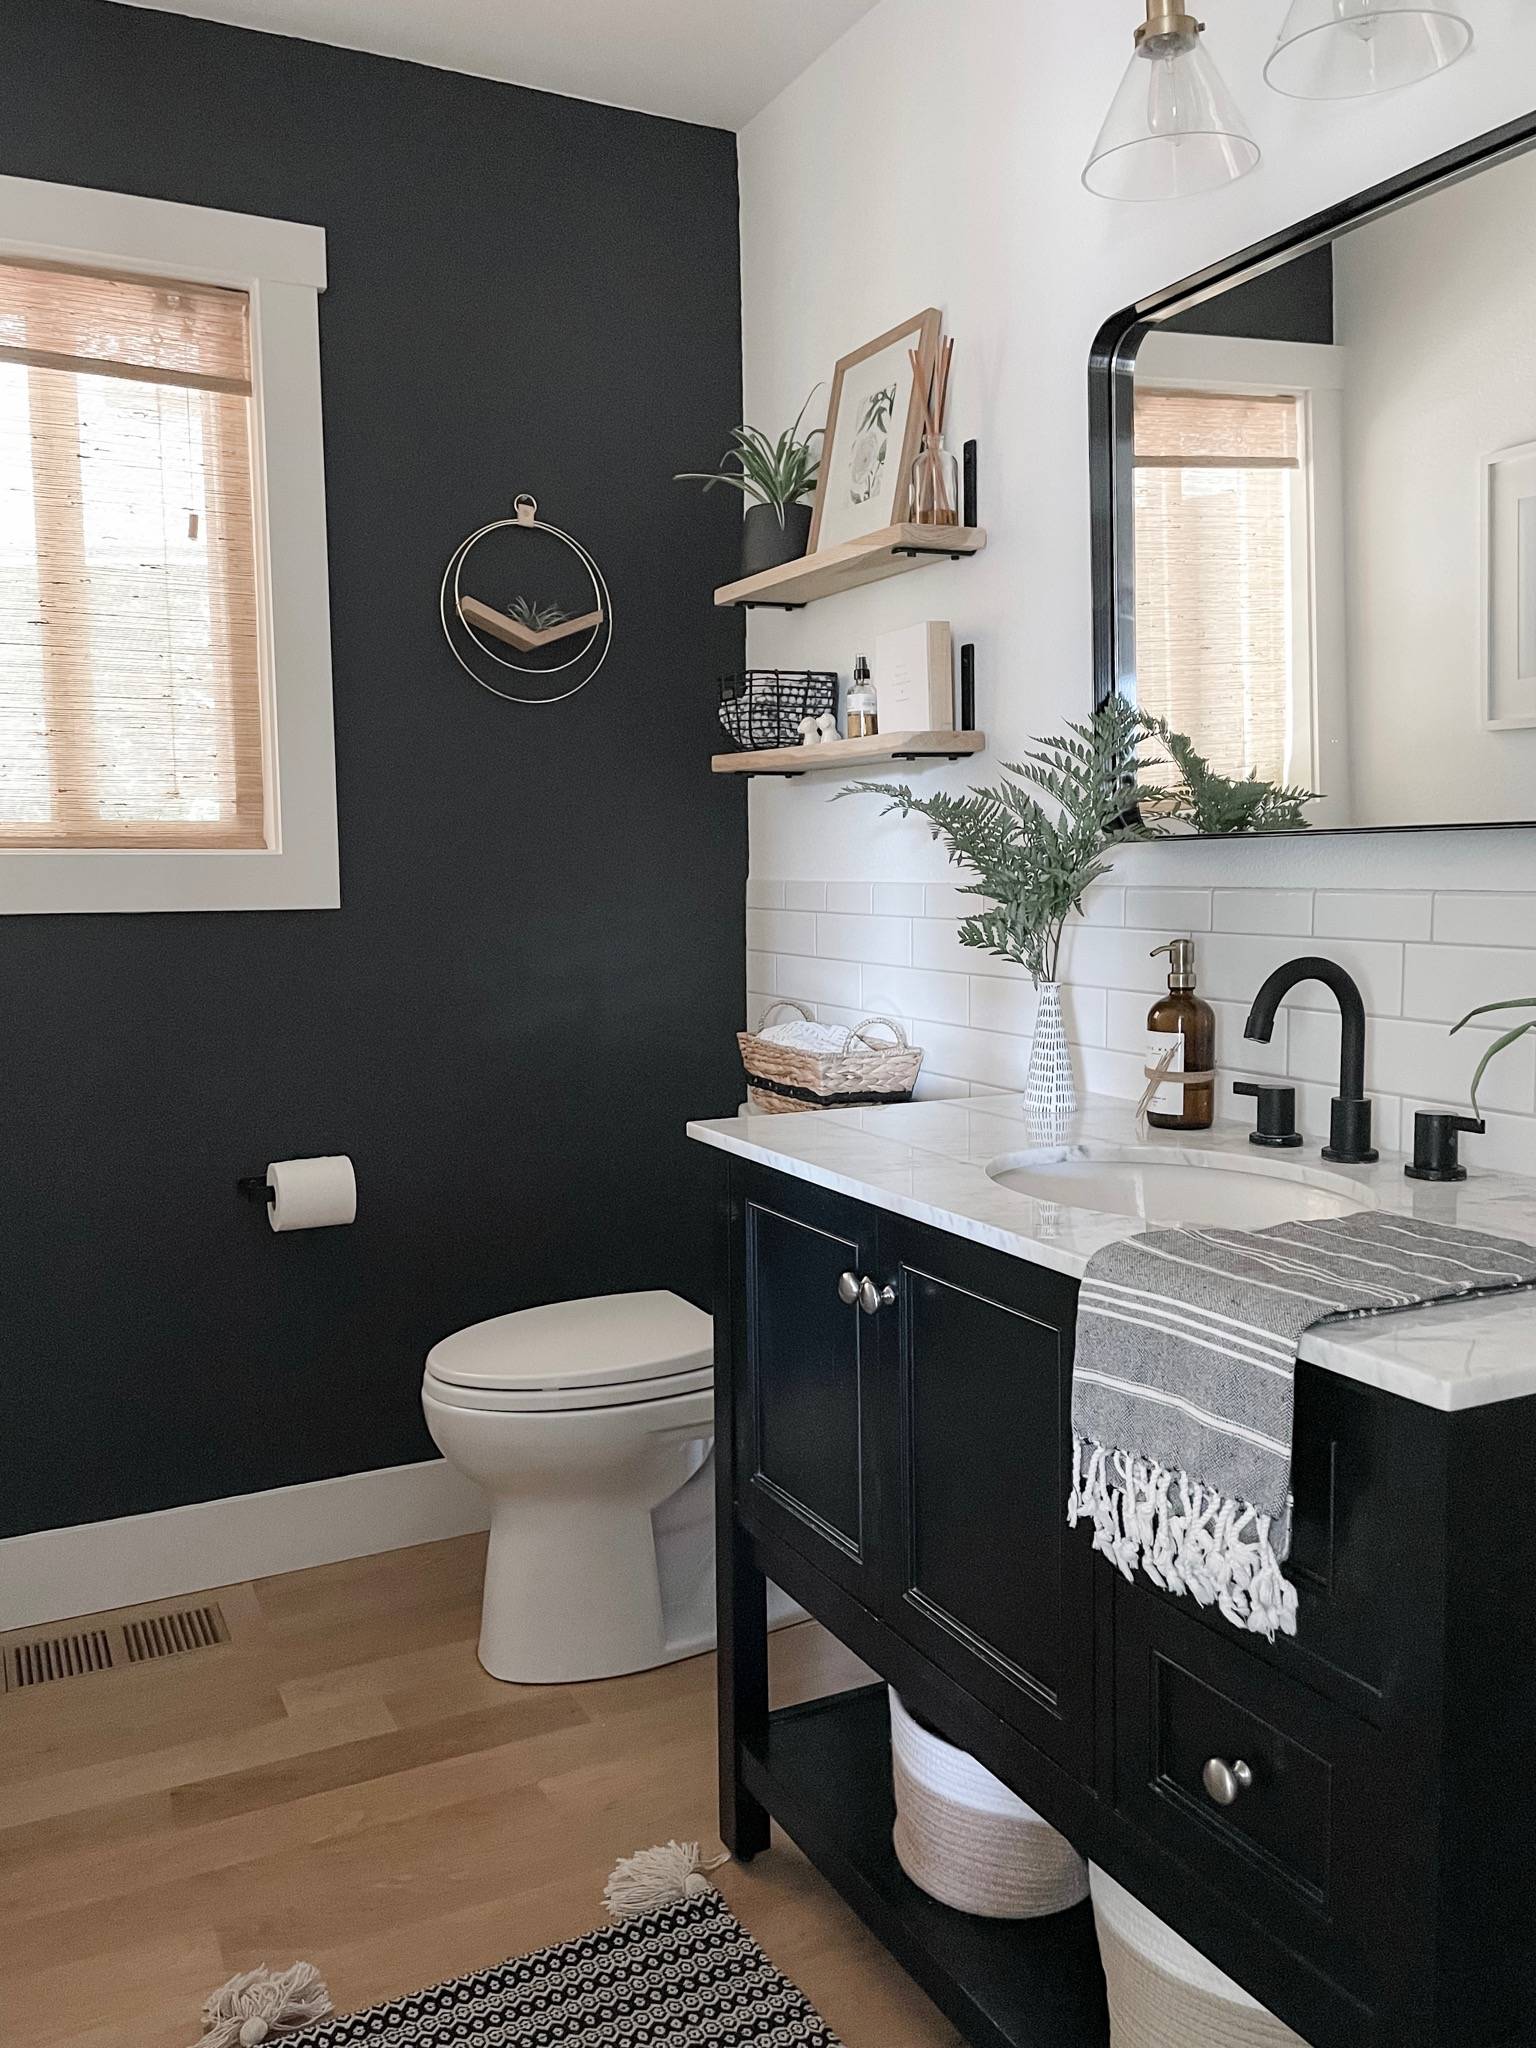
{"x": 1343, "y": 49}
{"x": 1173, "y": 128}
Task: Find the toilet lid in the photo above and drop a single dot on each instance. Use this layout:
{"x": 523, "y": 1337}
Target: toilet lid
{"x": 608, "y": 1340}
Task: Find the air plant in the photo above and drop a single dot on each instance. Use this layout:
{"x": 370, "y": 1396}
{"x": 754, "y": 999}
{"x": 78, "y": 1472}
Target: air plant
{"x": 1501, "y": 1044}
{"x": 538, "y": 618}
{"x": 777, "y": 473}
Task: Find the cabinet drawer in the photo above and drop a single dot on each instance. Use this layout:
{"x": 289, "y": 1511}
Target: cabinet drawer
{"x": 1246, "y": 1776}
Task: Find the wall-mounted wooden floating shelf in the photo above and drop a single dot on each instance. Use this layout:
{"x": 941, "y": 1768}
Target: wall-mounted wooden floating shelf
{"x": 842, "y": 754}
{"x": 891, "y": 552}
{"x": 486, "y": 619}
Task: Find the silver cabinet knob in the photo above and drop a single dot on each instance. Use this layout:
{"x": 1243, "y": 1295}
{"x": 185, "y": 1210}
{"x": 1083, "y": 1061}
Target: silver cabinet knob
{"x": 872, "y": 1299}
{"x": 1224, "y": 1781}
{"x": 847, "y": 1288}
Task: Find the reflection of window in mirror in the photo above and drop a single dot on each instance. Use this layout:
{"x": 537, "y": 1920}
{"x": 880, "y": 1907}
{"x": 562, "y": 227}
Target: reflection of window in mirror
{"x": 1237, "y": 606}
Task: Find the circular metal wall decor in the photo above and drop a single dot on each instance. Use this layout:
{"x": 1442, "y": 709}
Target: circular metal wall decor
{"x": 480, "y": 633}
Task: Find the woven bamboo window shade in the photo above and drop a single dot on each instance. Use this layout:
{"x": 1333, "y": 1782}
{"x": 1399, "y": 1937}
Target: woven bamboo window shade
{"x": 1215, "y": 606}
{"x": 130, "y": 674}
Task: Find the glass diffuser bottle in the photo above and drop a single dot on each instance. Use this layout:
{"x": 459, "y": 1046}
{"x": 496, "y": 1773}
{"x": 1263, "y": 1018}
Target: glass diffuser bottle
{"x": 935, "y": 495}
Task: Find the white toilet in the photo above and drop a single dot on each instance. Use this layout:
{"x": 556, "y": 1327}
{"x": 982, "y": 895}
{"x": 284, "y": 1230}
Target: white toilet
{"x": 590, "y": 1425}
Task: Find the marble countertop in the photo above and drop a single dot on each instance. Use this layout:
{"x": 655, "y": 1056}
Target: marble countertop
{"x": 928, "y": 1161}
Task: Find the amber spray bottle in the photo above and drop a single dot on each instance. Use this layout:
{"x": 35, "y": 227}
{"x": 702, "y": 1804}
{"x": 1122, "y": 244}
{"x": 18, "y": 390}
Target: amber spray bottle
{"x": 1183, "y": 1025}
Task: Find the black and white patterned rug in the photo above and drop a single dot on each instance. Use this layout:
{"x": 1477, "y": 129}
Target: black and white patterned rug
{"x": 689, "y": 1976}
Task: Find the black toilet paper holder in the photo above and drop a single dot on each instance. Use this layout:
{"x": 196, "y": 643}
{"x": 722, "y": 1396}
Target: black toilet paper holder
{"x": 257, "y": 1188}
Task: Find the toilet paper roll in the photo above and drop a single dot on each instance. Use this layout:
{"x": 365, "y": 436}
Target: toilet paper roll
{"x": 311, "y": 1194}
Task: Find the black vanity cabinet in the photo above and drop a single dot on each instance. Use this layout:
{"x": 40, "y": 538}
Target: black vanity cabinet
{"x": 893, "y": 1412}
{"x": 807, "y": 1423}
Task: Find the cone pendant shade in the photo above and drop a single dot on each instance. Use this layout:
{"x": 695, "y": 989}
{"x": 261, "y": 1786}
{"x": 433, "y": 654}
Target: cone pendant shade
{"x": 1345, "y": 49}
{"x": 1173, "y": 128}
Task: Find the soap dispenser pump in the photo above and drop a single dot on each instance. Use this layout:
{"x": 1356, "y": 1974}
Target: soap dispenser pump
{"x": 1181, "y": 1043}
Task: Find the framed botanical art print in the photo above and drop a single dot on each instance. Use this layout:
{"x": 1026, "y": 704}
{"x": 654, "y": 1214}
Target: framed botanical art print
{"x": 873, "y": 425}
{"x": 1509, "y": 588}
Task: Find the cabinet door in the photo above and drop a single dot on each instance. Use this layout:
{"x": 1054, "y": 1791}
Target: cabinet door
{"x": 804, "y": 1433}
{"x": 982, "y": 1573}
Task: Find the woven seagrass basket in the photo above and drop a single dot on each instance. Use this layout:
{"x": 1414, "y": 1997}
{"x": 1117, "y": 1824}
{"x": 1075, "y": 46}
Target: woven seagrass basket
{"x": 966, "y": 1840}
{"x": 783, "y": 1079}
{"x": 1163, "y": 1993}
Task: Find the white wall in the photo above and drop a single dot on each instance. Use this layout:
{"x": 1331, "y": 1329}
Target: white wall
{"x": 933, "y": 157}
{"x": 1437, "y": 308}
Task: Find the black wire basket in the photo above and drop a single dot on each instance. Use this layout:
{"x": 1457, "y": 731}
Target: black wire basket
{"x": 763, "y": 707}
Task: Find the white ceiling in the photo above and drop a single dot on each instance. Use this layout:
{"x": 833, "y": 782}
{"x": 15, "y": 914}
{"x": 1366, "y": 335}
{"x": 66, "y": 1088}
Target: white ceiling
{"x": 715, "y": 61}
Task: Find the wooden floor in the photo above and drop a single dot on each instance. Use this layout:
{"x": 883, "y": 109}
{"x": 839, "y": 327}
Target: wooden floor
{"x": 342, "y": 1782}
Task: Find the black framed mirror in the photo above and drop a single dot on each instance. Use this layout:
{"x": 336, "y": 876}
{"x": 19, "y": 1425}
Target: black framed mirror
{"x": 1314, "y": 502}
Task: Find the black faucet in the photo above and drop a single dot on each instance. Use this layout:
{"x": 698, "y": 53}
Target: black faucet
{"x": 1350, "y": 1117}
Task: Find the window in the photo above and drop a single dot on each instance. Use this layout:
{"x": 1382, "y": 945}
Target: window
{"x": 130, "y": 681}
{"x": 165, "y": 708}
{"x": 1223, "y": 638}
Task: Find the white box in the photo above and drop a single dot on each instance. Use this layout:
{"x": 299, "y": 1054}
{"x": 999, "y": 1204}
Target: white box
{"x": 915, "y": 678}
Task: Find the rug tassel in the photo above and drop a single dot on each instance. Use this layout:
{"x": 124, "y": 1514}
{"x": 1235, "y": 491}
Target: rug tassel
{"x": 654, "y": 1878}
{"x": 264, "y": 2004}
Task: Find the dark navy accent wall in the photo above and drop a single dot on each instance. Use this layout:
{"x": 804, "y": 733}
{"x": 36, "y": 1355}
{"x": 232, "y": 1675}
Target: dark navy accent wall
{"x": 537, "y": 971}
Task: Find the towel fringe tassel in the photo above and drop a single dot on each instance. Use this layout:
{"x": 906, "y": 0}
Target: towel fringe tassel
{"x": 1186, "y": 1537}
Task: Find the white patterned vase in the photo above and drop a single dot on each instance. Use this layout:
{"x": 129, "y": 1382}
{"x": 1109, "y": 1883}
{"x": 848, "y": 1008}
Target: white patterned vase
{"x": 1050, "y": 1094}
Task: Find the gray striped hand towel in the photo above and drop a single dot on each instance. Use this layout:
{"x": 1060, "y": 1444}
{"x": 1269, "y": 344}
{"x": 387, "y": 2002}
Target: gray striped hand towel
{"x": 1183, "y": 1385}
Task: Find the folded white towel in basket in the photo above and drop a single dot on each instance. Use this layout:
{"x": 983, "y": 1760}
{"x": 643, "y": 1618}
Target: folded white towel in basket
{"x": 805, "y": 1036}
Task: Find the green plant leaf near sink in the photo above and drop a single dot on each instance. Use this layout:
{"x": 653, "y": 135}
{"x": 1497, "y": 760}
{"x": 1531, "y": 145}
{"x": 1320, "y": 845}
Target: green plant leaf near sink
{"x": 1034, "y": 861}
{"x": 778, "y": 473}
{"x": 1501, "y": 1044}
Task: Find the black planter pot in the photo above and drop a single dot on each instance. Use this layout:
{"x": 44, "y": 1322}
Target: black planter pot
{"x": 765, "y": 543}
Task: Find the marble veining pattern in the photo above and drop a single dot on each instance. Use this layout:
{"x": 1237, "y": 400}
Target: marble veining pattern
{"x": 928, "y": 1161}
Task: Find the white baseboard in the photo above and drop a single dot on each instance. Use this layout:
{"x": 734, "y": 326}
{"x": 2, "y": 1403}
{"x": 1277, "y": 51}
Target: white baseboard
{"x": 58, "y": 1573}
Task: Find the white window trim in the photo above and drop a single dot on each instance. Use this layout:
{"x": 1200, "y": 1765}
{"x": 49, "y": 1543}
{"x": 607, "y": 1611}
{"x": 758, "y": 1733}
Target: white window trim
{"x": 281, "y": 264}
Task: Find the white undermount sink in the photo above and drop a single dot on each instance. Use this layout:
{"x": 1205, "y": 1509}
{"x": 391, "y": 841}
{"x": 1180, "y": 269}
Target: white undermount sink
{"x": 1163, "y": 1185}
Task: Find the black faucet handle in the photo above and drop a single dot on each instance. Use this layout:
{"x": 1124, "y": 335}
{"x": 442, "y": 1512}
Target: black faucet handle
{"x": 1435, "y": 1139}
{"x": 1277, "y": 1112}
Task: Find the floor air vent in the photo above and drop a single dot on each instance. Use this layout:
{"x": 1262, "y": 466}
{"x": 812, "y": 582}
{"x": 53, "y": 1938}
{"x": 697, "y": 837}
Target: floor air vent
{"x": 170, "y": 1635}
{"x": 54, "y": 1657}
{"x": 76, "y": 1653}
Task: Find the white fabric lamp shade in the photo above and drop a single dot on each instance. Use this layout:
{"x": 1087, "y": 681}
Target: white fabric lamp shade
{"x": 1173, "y": 128}
{"x": 1346, "y": 49}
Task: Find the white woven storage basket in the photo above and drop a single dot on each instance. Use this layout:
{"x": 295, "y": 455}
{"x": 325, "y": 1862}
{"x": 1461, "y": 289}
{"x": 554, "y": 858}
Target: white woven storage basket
{"x": 966, "y": 1840}
{"x": 1162, "y": 1992}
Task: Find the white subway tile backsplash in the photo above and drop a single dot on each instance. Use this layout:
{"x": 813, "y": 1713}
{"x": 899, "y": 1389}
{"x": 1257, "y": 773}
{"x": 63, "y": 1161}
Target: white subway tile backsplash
{"x": 1507, "y": 920}
{"x": 818, "y": 981}
{"x": 1168, "y": 912}
{"x": 1421, "y": 958}
{"x": 1262, "y": 910}
{"x": 916, "y": 993}
{"x": 805, "y": 895}
{"x": 781, "y": 931}
{"x": 1233, "y": 964}
{"x": 898, "y": 899}
{"x": 1446, "y": 982}
{"x": 1370, "y": 914}
{"x": 943, "y": 899}
{"x": 935, "y": 944}
{"x": 884, "y": 941}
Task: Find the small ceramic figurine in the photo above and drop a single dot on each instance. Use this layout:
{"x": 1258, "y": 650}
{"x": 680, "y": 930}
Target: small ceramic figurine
{"x": 810, "y": 732}
{"x": 826, "y": 726}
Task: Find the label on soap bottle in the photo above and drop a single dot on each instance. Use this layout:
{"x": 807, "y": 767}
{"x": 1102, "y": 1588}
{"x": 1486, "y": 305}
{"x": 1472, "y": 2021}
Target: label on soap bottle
{"x": 1169, "y": 1099}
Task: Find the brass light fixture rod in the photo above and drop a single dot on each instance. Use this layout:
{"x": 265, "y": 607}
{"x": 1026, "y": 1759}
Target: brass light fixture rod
{"x": 1167, "y": 28}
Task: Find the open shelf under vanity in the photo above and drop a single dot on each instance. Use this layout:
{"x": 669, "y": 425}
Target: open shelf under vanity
{"x": 825, "y": 1776}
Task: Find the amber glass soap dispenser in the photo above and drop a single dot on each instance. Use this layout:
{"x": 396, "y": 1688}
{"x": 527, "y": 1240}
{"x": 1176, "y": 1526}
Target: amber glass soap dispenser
{"x": 1185, "y": 1024}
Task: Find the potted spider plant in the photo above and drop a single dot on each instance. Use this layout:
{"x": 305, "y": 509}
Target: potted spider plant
{"x": 777, "y": 479}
